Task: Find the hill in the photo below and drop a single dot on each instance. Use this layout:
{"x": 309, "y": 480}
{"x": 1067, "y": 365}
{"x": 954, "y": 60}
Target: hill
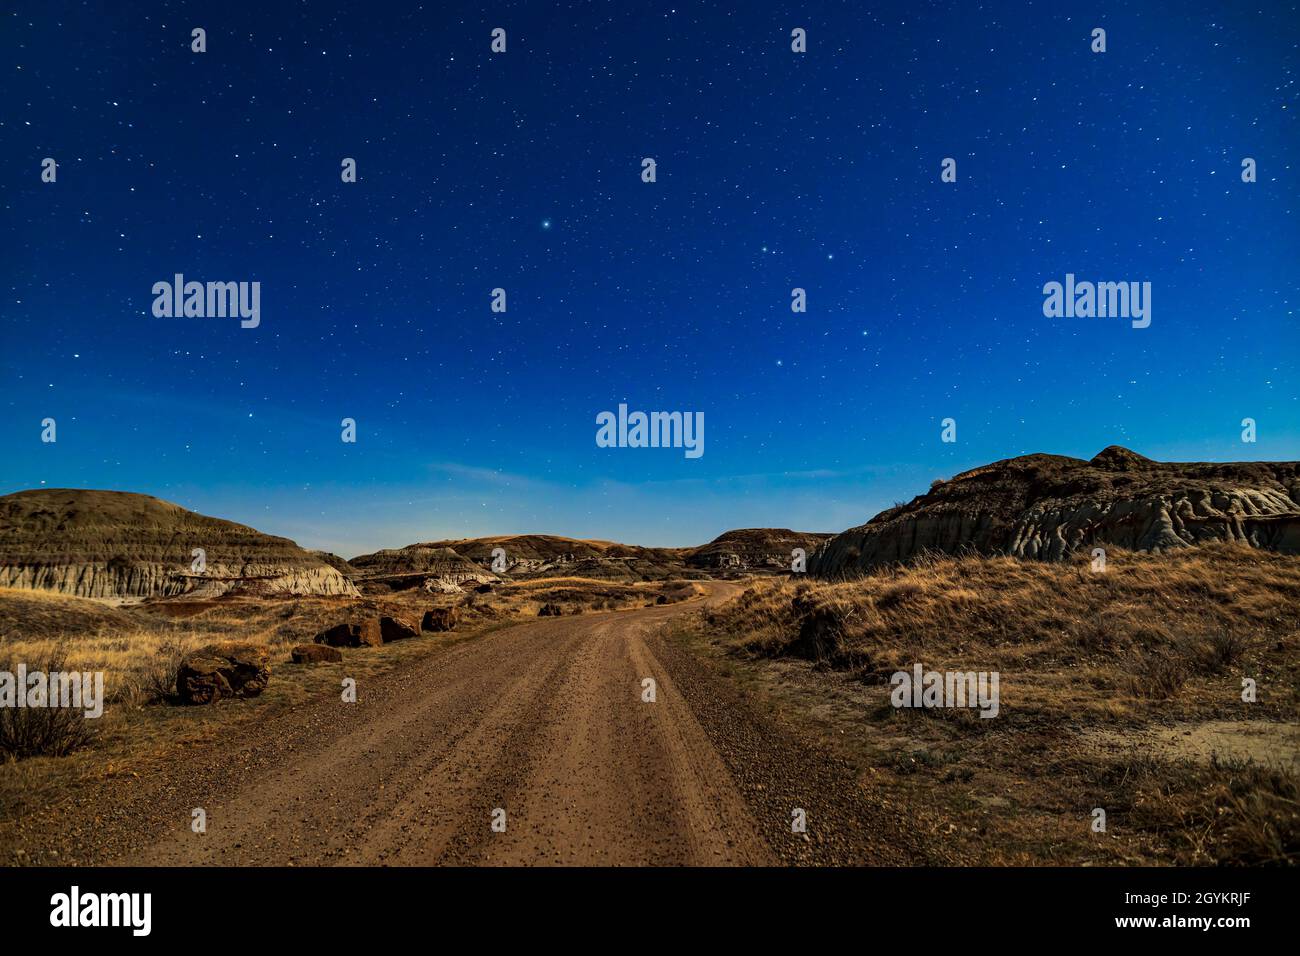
{"x": 1049, "y": 506}
{"x": 116, "y": 544}
{"x": 754, "y": 549}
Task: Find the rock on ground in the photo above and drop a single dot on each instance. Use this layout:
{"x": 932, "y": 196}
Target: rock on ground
{"x": 223, "y": 670}
{"x": 316, "y": 654}
{"x": 440, "y": 619}
{"x": 363, "y": 633}
{"x": 396, "y": 629}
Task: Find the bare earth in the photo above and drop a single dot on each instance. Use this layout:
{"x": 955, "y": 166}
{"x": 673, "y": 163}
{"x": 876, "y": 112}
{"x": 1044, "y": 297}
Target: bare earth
{"x": 544, "y": 720}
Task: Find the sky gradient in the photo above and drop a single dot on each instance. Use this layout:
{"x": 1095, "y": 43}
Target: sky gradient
{"x": 522, "y": 170}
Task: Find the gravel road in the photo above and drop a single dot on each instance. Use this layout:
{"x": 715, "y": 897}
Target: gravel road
{"x": 539, "y": 726}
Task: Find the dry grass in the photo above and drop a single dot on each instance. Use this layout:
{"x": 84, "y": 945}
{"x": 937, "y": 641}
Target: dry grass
{"x": 1226, "y": 810}
{"x": 1136, "y": 635}
{"x": 42, "y": 731}
{"x": 575, "y": 595}
{"x": 1107, "y": 680}
{"x": 139, "y": 646}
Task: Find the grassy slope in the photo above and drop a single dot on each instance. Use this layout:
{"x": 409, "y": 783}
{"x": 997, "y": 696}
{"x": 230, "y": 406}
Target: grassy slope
{"x": 1107, "y": 679}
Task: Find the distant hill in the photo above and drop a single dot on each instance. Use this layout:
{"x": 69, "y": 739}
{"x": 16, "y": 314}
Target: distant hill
{"x": 539, "y": 555}
{"x": 116, "y": 544}
{"x": 431, "y": 566}
{"x": 1048, "y": 506}
{"x": 543, "y": 555}
{"x": 525, "y": 547}
{"x": 754, "y": 549}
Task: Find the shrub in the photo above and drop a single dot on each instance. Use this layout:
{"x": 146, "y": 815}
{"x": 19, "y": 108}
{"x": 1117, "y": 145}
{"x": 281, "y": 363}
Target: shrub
{"x": 1158, "y": 676}
{"x": 1218, "y": 652}
{"x": 42, "y": 731}
{"x": 158, "y": 677}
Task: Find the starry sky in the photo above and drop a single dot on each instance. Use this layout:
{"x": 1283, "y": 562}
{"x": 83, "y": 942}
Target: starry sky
{"x": 522, "y": 171}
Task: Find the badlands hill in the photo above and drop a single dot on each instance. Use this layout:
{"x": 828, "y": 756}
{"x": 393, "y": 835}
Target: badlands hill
{"x": 431, "y": 566}
{"x": 334, "y": 561}
{"x": 533, "y": 556}
{"x": 754, "y": 548}
{"x": 542, "y": 555}
{"x": 1048, "y": 506}
{"x": 116, "y": 544}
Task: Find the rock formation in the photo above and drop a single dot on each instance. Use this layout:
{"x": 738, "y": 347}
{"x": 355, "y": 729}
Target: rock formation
{"x": 754, "y": 549}
{"x": 334, "y": 561}
{"x": 453, "y": 565}
{"x": 396, "y": 629}
{"x": 440, "y": 619}
{"x": 434, "y": 567}
{"x": 223, "y": 670}
{"x": 116, "y": 544}
{"x": 1048, "y": 506}
{"x": 526, "y": 556}
{"x": 315, "y": 654}
{"x": 356, "y": 633}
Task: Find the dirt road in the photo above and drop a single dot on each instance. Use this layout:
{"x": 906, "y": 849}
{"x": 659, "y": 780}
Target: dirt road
{"x": 544, "y": 721}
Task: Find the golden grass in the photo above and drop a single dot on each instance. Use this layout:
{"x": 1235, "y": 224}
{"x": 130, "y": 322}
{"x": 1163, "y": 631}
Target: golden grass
{"x": 1141, "y": 631}
{"x": 1103, "y": 677}
{"x": 139, "y": 645}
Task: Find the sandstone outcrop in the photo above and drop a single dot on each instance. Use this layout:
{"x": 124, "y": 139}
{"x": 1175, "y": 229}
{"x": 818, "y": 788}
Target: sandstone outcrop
{"x": 1048, "y": 506}
{"x": 360, "y": 633}
{"x": 532, "y": 556}
{"x": 754, "y": 549}
{"x": 223, "y": 670}
{"x": 337, "y": 563}
{"x": 457, "y": 565}
{"x": 315, "y": 654}
{"x": 115, "y": 544}
{"x": 435, "y": 568}
{"x": 440, "y": 619}
{"x": 396, "y": 629}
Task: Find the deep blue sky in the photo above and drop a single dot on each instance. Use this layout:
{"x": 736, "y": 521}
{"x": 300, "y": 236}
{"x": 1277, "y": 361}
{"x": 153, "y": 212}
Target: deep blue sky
{"x": 775, "y": 170}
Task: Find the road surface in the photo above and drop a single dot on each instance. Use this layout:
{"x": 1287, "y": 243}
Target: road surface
{"x": 539, "y": 726}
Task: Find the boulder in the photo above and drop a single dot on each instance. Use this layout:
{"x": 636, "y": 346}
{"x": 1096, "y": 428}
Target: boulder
{"x": 223, "y": 670}
{"x": 550, "y": 610}
{"x": 316, "y": 654}
{"x": 440, "y": 619}
{"x": 363, "y": 633}
{"x": 396, "y": 629}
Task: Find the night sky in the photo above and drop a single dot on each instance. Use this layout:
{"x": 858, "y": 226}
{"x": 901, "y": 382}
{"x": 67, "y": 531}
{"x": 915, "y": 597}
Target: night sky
{"x": 522, "y": 170}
